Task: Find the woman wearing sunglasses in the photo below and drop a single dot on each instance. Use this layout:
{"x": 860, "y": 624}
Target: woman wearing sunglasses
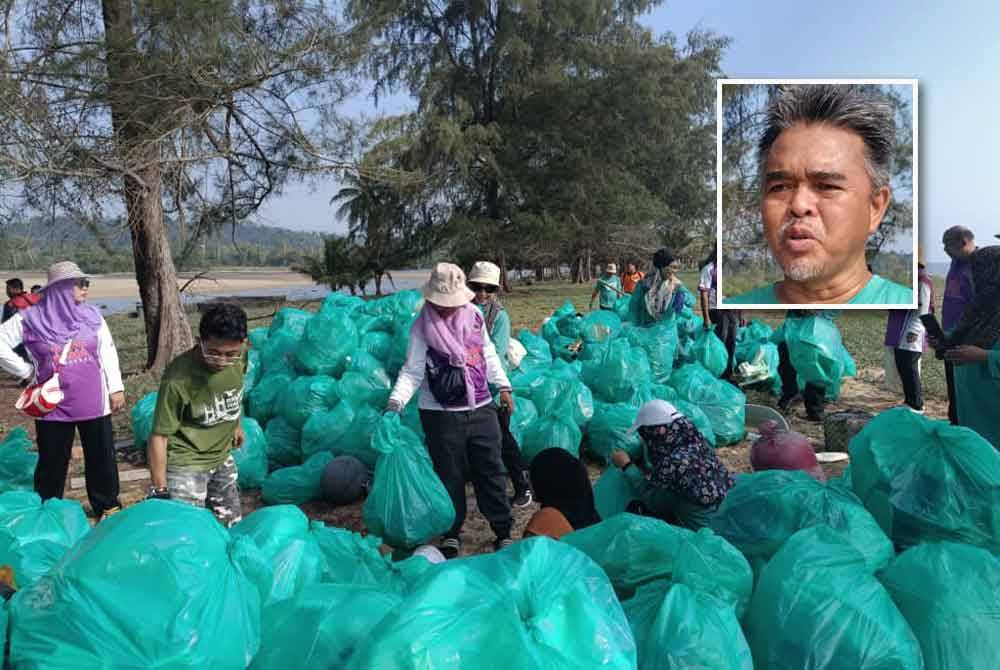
{"x": 484, "y": 282}
{"x": 65, "y": 335}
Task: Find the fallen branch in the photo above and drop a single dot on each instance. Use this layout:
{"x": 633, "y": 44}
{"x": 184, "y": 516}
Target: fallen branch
{"x": 201, "y": 275}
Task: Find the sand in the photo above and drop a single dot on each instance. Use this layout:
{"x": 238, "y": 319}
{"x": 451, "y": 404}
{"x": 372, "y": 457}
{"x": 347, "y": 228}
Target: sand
{"x": 240, "y": 280}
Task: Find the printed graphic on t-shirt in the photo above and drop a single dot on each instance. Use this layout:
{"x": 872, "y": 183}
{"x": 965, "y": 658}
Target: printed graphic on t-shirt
{"x": 224, "y": 408}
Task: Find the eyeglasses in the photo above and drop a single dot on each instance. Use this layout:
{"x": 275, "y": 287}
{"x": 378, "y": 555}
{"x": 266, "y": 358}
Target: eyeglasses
{"x": 82, "y": 282}
{"x": 228, "y": 356}
{"x": 486, "y": 288}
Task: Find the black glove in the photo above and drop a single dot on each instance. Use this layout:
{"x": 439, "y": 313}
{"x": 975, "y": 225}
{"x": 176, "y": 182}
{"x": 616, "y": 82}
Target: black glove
{"x": 155, "y": 493}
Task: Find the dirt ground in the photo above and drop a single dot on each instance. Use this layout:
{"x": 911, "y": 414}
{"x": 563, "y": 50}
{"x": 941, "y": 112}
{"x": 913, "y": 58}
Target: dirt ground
{"x": 861, "y": 393}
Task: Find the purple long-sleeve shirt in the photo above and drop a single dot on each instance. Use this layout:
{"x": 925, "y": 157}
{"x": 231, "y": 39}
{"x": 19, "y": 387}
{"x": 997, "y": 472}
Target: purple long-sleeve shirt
{"x": 957, "y": 293}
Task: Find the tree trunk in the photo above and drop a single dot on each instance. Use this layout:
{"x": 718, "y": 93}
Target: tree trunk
{"x": 378, "y": 284}
{"x": 168, "y": 332}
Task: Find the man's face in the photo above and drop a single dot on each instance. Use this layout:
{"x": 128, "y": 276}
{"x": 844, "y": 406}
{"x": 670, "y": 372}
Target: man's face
{"x": 631, "y": 268}
{"x": 958, "y": 247}
{"x": 219, "y": 354}
{"x": 13, "y": 292}
{"x": 817, "y": 204}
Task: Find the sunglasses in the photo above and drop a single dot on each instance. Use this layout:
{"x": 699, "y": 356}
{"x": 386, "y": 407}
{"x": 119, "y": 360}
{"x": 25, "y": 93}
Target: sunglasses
{"x": 82, "y": 282}
{"x": 487, "y": 288}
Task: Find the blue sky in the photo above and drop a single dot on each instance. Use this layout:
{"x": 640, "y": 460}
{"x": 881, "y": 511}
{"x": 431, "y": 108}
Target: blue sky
{"x": 950, "y": 47}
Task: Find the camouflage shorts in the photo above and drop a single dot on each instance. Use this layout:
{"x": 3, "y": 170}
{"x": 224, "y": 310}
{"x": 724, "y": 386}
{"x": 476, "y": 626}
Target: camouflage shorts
{"x": 215, "y": 489}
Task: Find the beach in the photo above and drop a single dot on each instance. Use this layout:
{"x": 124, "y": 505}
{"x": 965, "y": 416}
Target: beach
{"x": 228, "y": 281}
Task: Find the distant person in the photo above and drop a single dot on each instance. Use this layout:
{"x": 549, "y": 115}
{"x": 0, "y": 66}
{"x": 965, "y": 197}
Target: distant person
{"x": 684, "y": 482}
{"x": 18, "y": 301}
{"x": 197, "y": 422}
{"x": 905, "y": 342}
{"x": 608, "y": 287}
{"x": 631, "y": 278}
{"x": 562, "y": 485}
{"x": 484, "y": 282}
{"x": 64, "y": 334}
{"x": 959, "y": 243}
{"x": 973, "y": 347}
{"x": 658, "y": 296}
{"x": 825, "y": 157}
{"x": 451, "y": 360}
{"x": 726, "y": 321}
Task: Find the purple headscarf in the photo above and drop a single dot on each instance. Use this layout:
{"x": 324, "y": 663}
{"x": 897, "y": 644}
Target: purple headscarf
{"x": 451, "y": 336}
{"x": 58, "y": 318}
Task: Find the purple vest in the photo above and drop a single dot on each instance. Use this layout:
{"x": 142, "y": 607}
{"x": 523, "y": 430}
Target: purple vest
{"x": 80, "y": 379}
{"x": 957, "y": 294}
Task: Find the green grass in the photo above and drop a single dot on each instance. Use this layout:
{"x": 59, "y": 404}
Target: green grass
{"x": 863, "y": 333}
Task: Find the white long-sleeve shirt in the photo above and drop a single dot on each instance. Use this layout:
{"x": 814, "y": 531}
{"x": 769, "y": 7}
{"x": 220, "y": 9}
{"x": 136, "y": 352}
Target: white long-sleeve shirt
{"x": 413, "y": 375}
{"x": 914, "y": 326}
{"x": 12, "y": 336}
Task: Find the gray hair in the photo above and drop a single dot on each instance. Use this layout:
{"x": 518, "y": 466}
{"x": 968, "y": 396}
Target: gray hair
{"x": 846, "y": 106}
{"x": 958, "y": 232}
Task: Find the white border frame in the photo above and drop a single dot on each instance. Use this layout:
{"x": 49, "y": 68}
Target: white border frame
{"x": 718, "y": 192}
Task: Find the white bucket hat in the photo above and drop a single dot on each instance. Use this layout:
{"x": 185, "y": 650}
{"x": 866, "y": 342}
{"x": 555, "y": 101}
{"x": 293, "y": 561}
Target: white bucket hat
{"x": 63, "y": 270}
{"x": 654, "y": 413}
{"x": 484, "y": 272}
{"x": 612, "y": 268}
{"x": 446, "y": 286}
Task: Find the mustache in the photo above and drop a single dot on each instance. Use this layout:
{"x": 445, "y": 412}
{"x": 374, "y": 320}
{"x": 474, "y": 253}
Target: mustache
{"x": 815, "y": 229}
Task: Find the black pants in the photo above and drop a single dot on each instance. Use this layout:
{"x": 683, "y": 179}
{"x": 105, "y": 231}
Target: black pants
{"x": 949, "y": 377}
{"x": 466, "y": 446}
{"x": 727, "y": 322}
{"x": 55, "y": 444}
{"x": 814, "y": 395}
{"x": 909, "y": 375}
{"x": 510, "y": 454}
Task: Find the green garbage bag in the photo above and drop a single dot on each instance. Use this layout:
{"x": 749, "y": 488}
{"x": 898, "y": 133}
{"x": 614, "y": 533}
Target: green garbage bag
{"x": 606, "y": 432}
{"x": 948, "y": 594}
{"x": 766, "y": 508}
{"x": 817, "y": 351}
{"x": 560, "y": 392}
{"x": 251, "y": 458}
{"x": 329, "y": 338}
{"x": 678, "y": 628}
{"x": 537, "y": 348}
{"x": 34, "y": 535}
{"x": 258, "y": 338}
{"x": 614, "y": 377}
{"x": 17, "y": 462}
{"x": 290, "y": 319}
{"x": 623, "y": 307}
{"x": 378, "y": 344}
{"x": 659, "y": 341}
{"x": 524, "y": 415}
{"x": 307, "y": 396}
{"x": 410, "y": 417}
{"x": 547, "y": 432}
{"x": 755, "y": 331}
{"x": 613, "y": 492}
{"x": 407, "y": 505}
{"x": 600, "y": 326}
{"x": 284, "y": 444}
{"x": 278, "y": 353}
{"x": 723, "y": 403}
{"x": 142, "y": 419}
{"x": 292, "y": 555}
{"x": 925, "y": 480}
{"x": 510, "y": 605}
{"x": 710, "y": 351}
{"x": 636, "y": 550}
{"x": 400, "y": 344}
{"x": 354, "y": 560}
{"x": 82, "y": 614}
{"x": 311, "y": 630}
{"x": 371, "y": 388}
{"x": 816, "y": 605}
{"x": 324, "y": 430}
{"x": 252, "y": 374}
{"x": 265, "y": 399}
{"x": 298, "y": 484}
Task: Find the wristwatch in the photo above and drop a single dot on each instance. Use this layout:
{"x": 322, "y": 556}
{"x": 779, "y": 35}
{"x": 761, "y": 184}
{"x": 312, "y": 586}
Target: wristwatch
{"x": 162, "y": 493}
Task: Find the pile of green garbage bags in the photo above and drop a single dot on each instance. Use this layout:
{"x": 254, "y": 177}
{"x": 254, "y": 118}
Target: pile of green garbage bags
{"x": 17, "y": 461}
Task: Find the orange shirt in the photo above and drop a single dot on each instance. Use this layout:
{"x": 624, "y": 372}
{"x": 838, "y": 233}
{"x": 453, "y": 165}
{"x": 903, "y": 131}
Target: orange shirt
{"x": 630, "y": 280}
{"x": 549, "y": 522}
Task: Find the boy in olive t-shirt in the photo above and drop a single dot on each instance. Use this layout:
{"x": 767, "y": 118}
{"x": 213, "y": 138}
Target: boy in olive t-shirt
{"x": 197, "y": 420}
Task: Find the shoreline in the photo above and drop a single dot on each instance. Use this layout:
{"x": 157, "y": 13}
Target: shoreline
{"x": 122, "y": 285}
